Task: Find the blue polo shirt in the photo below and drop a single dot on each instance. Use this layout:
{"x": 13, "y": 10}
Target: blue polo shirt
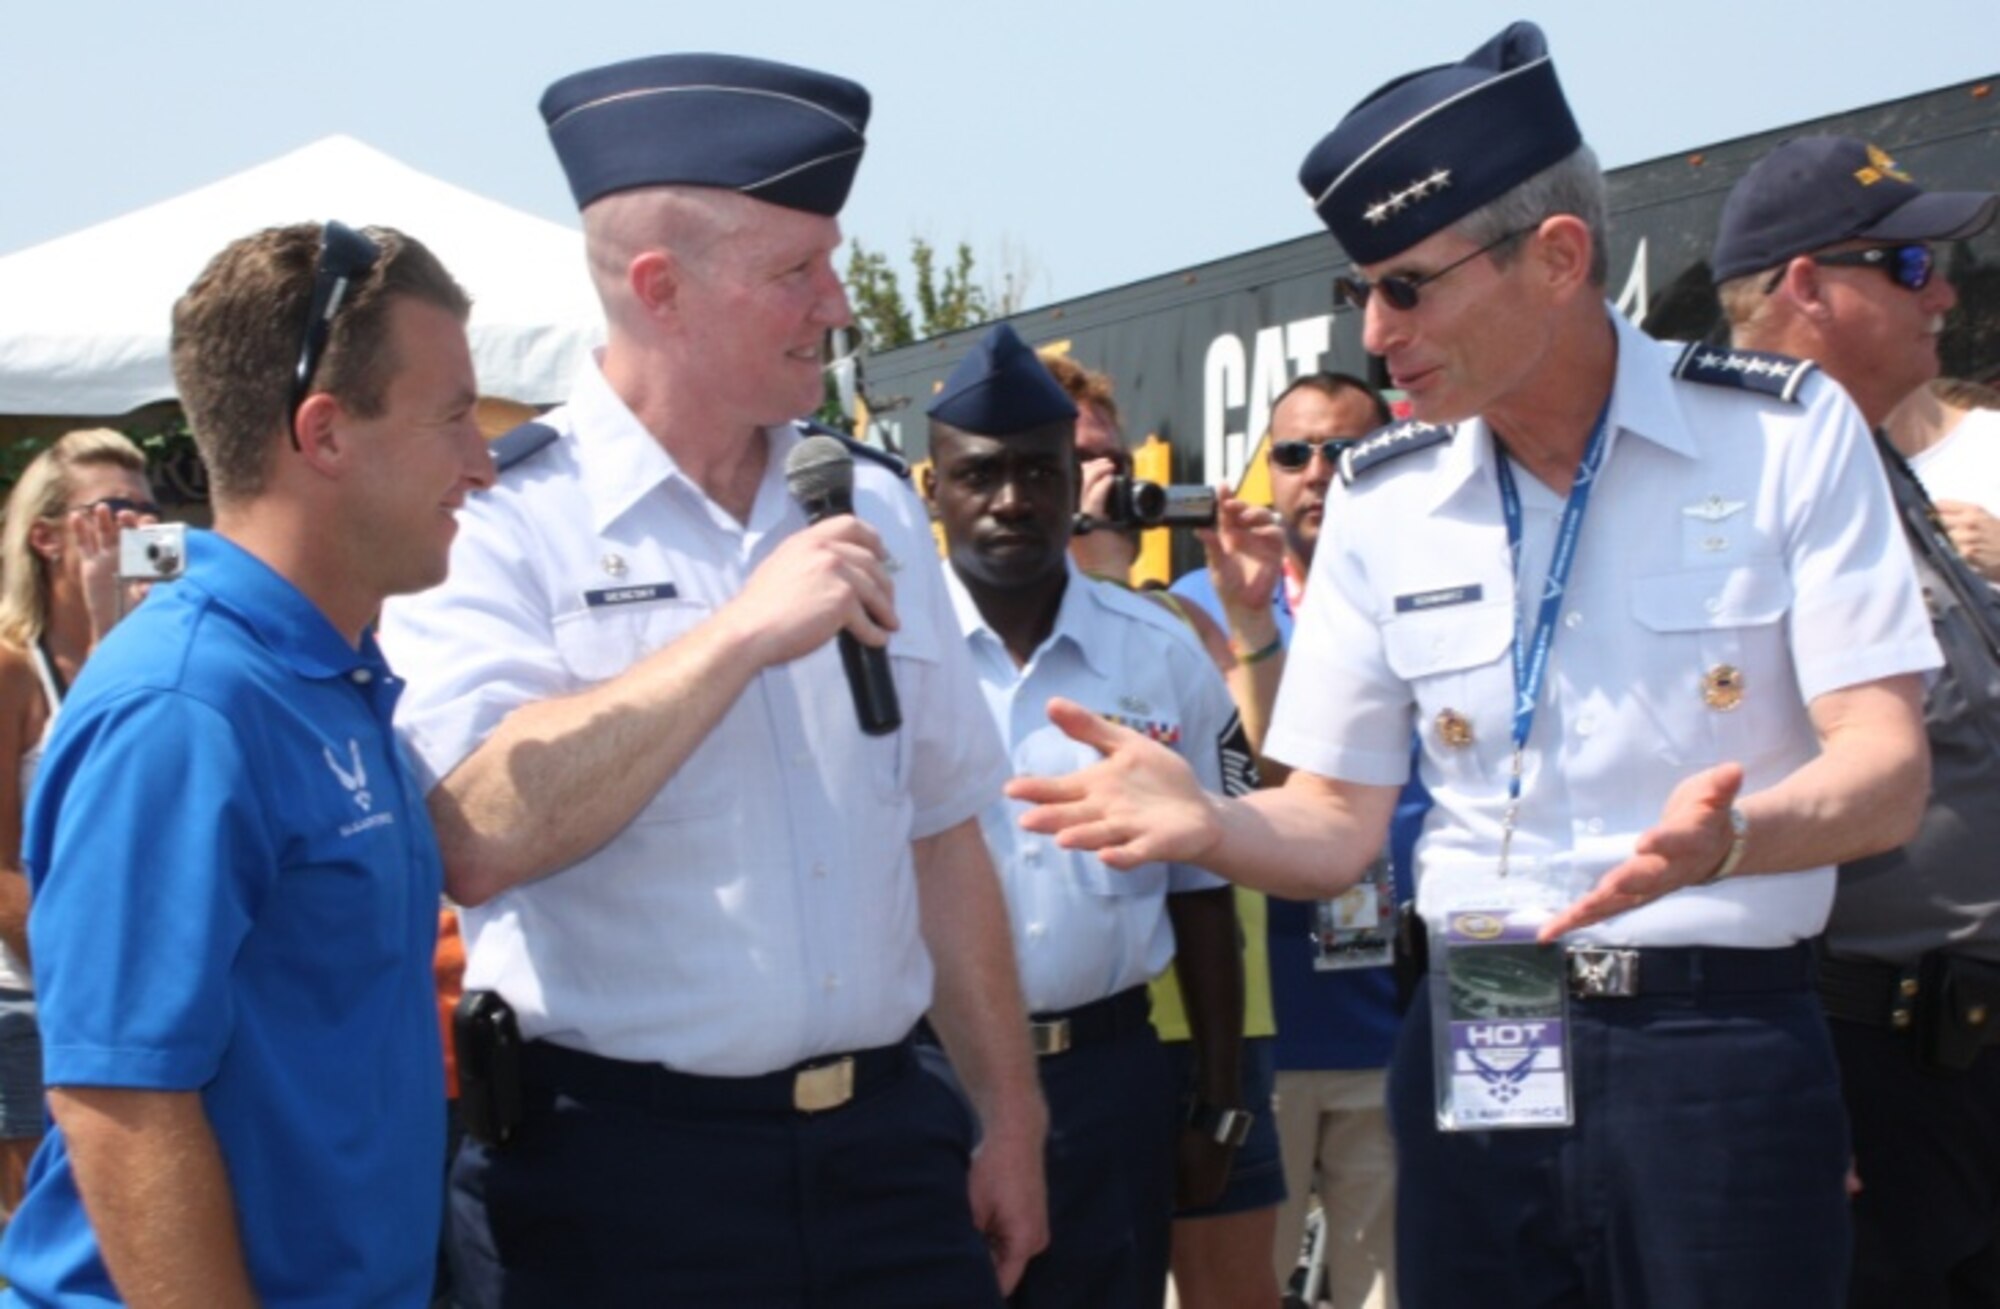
{"x": 236, "y": 891}
{"x": 1338, "y": 1019}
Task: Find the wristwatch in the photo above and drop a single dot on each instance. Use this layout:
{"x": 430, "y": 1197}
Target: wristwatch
{"x": 1739, "y": 828}
{"x": 1222, "y": 1126}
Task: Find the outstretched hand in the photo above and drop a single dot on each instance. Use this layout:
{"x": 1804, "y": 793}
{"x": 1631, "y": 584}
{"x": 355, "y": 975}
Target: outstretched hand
{"x": 1689, "y": 843}
{"x": 1139, "y": 804}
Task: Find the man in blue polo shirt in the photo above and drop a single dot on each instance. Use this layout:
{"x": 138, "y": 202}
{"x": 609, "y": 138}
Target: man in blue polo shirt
{"x": 235, "y": 880}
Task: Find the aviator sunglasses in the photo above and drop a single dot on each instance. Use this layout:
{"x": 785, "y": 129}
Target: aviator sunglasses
{"x": 1908, "y": 266}
{"x": 345, "y": 256}
{"x": 1401, "y": 292}
{"x": 1294, "y": 455}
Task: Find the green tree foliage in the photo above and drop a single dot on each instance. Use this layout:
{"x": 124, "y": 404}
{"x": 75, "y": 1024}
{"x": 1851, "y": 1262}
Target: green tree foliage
{"x": 947, "y": 297}
{"x": 949, "y": 300}
{"x": 877, "y": 297}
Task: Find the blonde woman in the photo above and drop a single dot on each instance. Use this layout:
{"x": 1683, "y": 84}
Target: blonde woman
{"x": 59, "y": 594}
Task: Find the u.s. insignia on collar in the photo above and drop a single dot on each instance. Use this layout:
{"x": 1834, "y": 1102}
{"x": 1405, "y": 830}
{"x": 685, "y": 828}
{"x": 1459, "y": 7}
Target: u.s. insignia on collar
{"x": 1744, "y": 370}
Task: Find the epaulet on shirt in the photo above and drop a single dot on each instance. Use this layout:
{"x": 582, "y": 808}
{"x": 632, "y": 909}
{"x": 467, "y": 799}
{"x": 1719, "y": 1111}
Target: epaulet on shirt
{"x": 1386, "y": 443}
{"x": 860, "y": 450}
{"x": 1744, "y": 370}
{"x": 1161, "y": 610}
{"x": 522, "y": 444}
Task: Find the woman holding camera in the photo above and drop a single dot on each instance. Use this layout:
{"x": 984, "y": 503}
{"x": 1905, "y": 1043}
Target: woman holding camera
{"x": 59, "y": 595}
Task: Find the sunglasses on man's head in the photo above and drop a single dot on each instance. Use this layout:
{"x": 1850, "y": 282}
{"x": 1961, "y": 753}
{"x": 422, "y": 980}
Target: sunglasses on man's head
{"x": 345, "y": 257}
{"x": 1294, "y": 455}
{"x": 1909, "y": 266}
{"x": 1402, "y": 292}
{"x": 118, "y": 504}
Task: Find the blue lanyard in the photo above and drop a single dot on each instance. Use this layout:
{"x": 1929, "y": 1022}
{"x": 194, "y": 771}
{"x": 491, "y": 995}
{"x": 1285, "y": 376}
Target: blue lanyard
{"x": 1531, "y": 659}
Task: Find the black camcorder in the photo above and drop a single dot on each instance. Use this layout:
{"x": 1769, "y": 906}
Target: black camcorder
{"x": 1134, "y": 503}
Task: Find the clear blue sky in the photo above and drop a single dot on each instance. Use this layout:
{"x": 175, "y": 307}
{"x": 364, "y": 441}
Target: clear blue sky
{"x": 1099, "y": 142}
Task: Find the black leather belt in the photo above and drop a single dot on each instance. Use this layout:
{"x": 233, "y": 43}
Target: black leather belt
{"x": 1610, "y": 972}
{"x": 1864, "y": 991}
{"x": 1889, "y": 995}
{"x": 812, "y": 1087}
{"x": 1097, "y": 1023}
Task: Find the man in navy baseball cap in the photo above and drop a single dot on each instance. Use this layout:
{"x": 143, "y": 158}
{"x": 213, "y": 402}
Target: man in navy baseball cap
{"x": 1825, "y": 253}
{"x": 1826, "y": 250}
{"x": 1818, "y": 191}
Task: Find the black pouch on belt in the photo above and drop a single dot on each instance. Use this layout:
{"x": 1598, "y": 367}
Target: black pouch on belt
{"x": 488, "y": 1043}
{"x": 1413, "y": 954}
{"x": 1956, "y": 1017}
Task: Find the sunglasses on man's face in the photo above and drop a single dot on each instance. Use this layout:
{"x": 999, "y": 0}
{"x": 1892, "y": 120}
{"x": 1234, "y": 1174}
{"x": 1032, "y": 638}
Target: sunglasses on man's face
{"x": 1402, "y": 292}
{"x": 1909, "y": 266}
{"x": 1295, "y": 455}
{"x": 345, "y": 256}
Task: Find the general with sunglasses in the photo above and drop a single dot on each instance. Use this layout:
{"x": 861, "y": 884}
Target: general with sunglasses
{"x": 235, "y": 874}
{"x": 1825, "y": 252}
{"x": 1648, "y": 613}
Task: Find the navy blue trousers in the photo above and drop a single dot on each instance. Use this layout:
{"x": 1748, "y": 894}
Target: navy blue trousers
{"x": 1705, "y": 1169}
{"x": 1927, "y": 1148}
{"x": 1114, "y": 1122}
{"x": 609, "y": 1205}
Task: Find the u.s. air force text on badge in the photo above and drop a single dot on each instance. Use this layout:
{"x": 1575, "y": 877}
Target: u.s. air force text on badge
{"x": 1500, "y": 1022}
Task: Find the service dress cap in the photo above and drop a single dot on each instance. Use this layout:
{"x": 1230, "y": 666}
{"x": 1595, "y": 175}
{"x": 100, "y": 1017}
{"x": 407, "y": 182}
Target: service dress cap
{"x": 1430, "y": 147}
{"x": 1816, "y": 191}
{"x": 790, "y": 136}
{"x": 1001, "y": 388}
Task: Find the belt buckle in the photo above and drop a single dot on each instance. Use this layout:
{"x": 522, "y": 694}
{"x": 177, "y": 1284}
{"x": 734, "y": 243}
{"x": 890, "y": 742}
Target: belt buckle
{"x": 1598, "y": 973}
{"x": 1049, "y": 1037}
{"x": 823, "y": 1086}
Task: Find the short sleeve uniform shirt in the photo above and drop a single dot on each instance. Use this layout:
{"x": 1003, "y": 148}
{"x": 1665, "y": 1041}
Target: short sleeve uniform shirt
{"x": 762, "y": 908}
{"x": 1733, "y": 540}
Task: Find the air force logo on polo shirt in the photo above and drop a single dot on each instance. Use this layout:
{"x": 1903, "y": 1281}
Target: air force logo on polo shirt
{"x": 353, "y": 776}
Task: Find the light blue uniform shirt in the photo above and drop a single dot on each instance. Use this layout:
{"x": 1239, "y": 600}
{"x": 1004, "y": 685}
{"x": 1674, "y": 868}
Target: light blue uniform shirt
{"x": 1730, "y": 534}
{"x": 762, "y": 908}
{"x": 1083, "y": 931}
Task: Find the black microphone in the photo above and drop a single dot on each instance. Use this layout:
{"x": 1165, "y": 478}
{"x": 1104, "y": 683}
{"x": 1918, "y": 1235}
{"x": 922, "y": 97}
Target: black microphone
{"x": 820, "y": 475}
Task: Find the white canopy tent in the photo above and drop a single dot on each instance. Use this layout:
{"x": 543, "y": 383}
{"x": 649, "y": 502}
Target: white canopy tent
{"x": 84, "y": 318}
